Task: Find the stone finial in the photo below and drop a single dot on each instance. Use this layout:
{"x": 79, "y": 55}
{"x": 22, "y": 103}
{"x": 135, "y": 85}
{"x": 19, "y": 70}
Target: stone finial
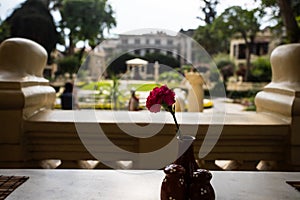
{"x": 21, "y": 57}
{"x": 282, "y": 94}
{"x": 22, "y": 85}
{"x": 285, "y": 61}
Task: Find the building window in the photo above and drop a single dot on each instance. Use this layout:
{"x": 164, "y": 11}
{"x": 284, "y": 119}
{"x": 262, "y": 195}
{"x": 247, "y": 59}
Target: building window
{"x": 137, "y": 52}
{"x": 147, "y": 41}
{"x": 157, "y": 41}
{"x": 242, "y": 51}
{"x": 137, "y": 41}
{"x": 170, "y": 42}
{"x": 260, "y": 49}
{"x": 157, "y": 51}
{"x": 124, "y": 41}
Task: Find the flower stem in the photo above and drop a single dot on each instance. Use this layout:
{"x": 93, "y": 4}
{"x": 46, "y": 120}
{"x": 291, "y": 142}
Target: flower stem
{"x": 177, "y": 126}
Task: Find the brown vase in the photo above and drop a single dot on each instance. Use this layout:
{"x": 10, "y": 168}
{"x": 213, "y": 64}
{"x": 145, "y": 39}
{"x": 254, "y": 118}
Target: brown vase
{"x": 187, "y": 160}
{"x": 200, "y": 187}
{"x": 196, "y": 181}
{"x": 173, "y": 185}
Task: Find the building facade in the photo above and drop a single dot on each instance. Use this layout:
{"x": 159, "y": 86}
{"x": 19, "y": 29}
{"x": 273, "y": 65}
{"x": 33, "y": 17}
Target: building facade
{"x": 143, "y": 44}
{"x": 181, "y": 45}
{"x": 262, "y": 46}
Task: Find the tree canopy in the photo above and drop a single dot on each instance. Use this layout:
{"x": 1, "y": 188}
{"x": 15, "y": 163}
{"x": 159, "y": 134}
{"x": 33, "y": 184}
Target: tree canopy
{"x": 82, "y": 20}
{"x": 32, "y": 21}
{"x": 86, "y": 20}
{"x": 289, "y": 12}
{"x": 212, "y": 39}
{"x": 209, "y": 10}
{"x": 119, "y": 65}
{"x": 215, "y": 37}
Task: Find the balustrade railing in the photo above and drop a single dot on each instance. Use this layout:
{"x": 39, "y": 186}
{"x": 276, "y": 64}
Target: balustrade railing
{"x": 32, "y": 132}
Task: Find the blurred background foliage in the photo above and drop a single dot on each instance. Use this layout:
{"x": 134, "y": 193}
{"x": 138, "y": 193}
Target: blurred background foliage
{"x": 86, "y": 21}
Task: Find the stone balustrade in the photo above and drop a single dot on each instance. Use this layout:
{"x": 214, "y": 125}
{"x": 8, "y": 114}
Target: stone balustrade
{"x": 31, "y": 131}
{"x": 23, "y": 93}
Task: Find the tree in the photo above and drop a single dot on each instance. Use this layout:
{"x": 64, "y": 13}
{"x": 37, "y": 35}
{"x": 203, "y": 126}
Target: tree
{"x": 289, "y": 11}
{"x": 52, "y": 5}
{"x": 289, "y": 20}
{"x": 167, "y": 60}
{"x": 85, "y": 20}
{"x": 118, "y": 65}
{"x": 210, "y": 11}
{"x": 33, "y": 21}
{"x": 245, "y": 22}
{"x": 212, "y": 39}
{"x": 68, "y": 64}
{"x": 4, "y": 31}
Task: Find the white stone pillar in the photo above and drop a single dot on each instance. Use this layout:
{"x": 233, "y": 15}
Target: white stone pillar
{"x": 282, "y": 96}
{"x": 156, "y": 71}
{"x": 23, "y": 93}
{"x": 145, "y": 71}
{"x": 195, "y": 93}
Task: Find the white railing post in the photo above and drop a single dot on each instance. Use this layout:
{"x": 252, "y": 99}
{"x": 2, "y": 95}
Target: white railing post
{"x": 281, "y": 97}
{"x": 23, "y": 93}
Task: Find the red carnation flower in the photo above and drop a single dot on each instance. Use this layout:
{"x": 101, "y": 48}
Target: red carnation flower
{"x": 162, "y": 97}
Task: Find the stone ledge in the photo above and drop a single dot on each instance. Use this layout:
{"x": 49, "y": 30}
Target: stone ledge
{"x": 144, "y": 117}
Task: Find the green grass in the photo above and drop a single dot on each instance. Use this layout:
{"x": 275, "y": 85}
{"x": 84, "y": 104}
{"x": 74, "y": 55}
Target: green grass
{"x": 80, "y": 84}
{"x": 108, "y": 84}
{"x": 144, "y": 87}
{"x": 250, "y": 108}
{"x": 93, "y": 85}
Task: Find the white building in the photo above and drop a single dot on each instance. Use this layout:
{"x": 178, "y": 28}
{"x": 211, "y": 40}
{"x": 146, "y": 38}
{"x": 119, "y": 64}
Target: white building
{"x": 180, "y": 46}
{"x": 143, "y": 44}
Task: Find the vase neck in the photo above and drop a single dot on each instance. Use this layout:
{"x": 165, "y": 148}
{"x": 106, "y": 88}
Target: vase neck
{"x": 186, "y": 156}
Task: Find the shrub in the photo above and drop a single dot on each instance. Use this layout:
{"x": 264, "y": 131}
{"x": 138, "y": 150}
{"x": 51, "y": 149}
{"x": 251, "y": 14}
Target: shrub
{"x": 261, "y": 70}
{"x": 170, "y": 76}
{"x": 68, "y": 64}
{"x": 225, "y": 65}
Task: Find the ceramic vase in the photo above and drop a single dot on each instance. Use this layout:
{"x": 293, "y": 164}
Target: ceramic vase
{"x": 184, "y": 179}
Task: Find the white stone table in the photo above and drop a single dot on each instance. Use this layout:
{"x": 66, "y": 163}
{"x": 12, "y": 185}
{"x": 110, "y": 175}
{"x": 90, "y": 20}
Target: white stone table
{"x": 144, "y": 185}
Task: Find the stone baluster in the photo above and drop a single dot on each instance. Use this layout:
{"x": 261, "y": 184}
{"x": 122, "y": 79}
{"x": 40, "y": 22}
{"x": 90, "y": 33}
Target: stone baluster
{"x": 281, "y": 97}
{"x": 23, "y": 93}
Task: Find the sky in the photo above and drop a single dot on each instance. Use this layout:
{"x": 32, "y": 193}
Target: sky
{"x": 158, "y": 14}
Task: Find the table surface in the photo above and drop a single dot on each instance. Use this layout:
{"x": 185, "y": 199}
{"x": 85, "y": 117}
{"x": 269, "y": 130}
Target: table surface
{"x": 144, "y": 184}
